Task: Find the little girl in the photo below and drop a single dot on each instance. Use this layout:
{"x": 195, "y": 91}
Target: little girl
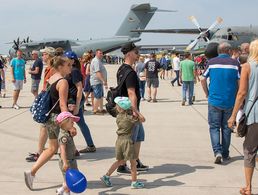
{"x": 67, "y": 148}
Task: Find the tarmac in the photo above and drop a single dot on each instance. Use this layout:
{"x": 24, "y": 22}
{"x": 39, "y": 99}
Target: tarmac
{"x": 177, "y": 148}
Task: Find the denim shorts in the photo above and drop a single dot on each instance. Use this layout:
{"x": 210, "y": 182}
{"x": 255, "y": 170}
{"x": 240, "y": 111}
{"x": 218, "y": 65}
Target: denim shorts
{"x": 138, "y": 134}
{"x": 98, "y": 91}
{"x": 35, "y": 85}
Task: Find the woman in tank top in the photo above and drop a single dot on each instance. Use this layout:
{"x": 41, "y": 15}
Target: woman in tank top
{"x": 59, "y": 90}
{"x": 248, "y": 91}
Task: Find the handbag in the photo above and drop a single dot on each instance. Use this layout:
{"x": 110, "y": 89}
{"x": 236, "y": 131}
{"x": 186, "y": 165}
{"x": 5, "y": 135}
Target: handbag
{"x": 242, "y": 126}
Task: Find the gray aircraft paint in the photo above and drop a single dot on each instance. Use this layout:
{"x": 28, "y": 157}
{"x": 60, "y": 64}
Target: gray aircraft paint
{"x": 138, "y": 17}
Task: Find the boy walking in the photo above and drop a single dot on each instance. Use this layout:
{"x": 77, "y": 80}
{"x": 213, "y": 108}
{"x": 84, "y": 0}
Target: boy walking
{"x": 124, "y": 145}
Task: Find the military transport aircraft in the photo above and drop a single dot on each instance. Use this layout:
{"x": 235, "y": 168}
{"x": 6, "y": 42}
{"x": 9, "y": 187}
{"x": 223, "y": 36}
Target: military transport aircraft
{"x": 137, "y": 18}
{"x": 235, "y": 35}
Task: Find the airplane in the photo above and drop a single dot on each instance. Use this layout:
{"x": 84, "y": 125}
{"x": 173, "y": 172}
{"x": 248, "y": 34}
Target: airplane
{"x": 137, "y": 18}
{"x": 235, "y": 35}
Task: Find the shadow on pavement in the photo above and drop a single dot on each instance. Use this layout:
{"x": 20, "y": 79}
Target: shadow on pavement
{"x": 47, "y": 188}
{"x": 170, "y": 170}
{"x": 101, "y": 154}
{"x": 233, "y": 159}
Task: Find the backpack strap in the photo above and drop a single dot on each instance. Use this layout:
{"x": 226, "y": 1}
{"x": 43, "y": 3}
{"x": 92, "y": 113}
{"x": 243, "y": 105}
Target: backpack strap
{"x": 122, "y": 80}
{"x": 251, "y": 106}
{"x": 56, "y": 101}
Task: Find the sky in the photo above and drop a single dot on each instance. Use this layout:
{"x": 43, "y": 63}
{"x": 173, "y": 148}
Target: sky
{"x": 85, "y": 19}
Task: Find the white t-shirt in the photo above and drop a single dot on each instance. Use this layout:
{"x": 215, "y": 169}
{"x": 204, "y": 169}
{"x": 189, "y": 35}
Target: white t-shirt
{"x": 176, "y": 63}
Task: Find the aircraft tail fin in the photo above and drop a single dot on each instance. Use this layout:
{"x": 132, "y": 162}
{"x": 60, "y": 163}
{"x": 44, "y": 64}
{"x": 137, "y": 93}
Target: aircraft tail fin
{"x": 137, "y": 18}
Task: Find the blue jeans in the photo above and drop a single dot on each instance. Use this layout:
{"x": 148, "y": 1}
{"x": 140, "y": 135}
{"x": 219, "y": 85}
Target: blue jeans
{"x": 84, "y": 127}
{"x": 188, "y": 86}
{"x": 142, "y": 88}
{"x": 177, "y": 77}
{"x": 218, "y": 118}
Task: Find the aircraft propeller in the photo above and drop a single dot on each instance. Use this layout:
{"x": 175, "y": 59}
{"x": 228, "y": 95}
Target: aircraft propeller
{"x": 16, "y": 43}
{"x": 205, "y": 35}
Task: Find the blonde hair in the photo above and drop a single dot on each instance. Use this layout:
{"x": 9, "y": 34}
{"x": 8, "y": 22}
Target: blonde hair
{"x": 58, "y": 61}
{"x": 253, "y": 55}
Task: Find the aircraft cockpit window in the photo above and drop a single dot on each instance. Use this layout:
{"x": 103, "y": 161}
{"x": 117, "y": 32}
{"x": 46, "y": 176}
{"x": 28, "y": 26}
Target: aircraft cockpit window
{"x": 224, "y": 37}
{"x": 232, "y": 37}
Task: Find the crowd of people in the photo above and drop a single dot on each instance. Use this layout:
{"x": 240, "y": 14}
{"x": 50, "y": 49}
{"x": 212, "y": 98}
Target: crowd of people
{"x": 72, "y": 81}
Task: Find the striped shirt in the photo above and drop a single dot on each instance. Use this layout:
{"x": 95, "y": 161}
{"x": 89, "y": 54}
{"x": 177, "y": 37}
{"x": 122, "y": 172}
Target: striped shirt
{"x": 224, "y": 75}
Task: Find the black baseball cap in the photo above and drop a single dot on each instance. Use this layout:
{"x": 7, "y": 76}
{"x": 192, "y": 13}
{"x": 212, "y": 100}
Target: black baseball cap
{"x": 128, "y": 47}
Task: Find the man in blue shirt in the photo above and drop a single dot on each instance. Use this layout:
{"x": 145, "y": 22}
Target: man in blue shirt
{"x": 18, "y": 76}
{"x": 224, "y": 77}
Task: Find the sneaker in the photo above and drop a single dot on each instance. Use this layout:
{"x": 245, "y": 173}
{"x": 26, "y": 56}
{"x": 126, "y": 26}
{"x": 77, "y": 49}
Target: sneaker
{"x": 154, "y": 100}
{"x": 140, "y": 166}
{"x": 137, "y": 185}
{"x": 172, "y": 83}
{"x": 88, "y": 149}
{"x": 218, "y": 158}
{"x": 106, "y": 181}
{"x": 123, "y": 169}
{"x": 77, "y": 153}
{"x": 29, "y": 179}
{"x": 149, "y": 99}
{"x": 142, "y": 99}
{"x": 33, "y": 157}
{"x": 226, "y": 158}
{"x": 16, "y": 107}
{"x": 183, "y": 103}
{"x": 60, "y": 191}
{"x": 66, "y": 193}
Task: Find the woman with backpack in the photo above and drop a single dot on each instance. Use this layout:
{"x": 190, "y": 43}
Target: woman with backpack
{"x": 58, "y": 91}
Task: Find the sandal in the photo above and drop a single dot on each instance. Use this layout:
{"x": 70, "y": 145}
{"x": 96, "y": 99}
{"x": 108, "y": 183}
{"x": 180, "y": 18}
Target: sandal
{"x": 245, "y": 191}
{"x": 98, "y": 112}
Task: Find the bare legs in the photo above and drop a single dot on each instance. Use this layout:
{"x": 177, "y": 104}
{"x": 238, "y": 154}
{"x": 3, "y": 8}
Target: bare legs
{"x": 45, "y": 156}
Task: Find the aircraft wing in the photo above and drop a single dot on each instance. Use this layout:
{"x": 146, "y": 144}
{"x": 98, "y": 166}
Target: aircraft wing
{"x": 176, "y": 31}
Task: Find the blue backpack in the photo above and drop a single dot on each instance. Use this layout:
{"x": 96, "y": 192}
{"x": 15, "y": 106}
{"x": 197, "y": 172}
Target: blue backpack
{"x": 42, "y": 106}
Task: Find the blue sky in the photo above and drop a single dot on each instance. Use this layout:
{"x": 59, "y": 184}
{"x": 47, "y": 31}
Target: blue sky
{"x": 84, "y": 19}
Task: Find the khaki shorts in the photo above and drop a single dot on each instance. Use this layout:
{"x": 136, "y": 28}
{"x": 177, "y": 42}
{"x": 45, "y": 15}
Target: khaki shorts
{"x": 72, "y": 164}
{"x": 125, "y": 148}
{"x": 18, "y": 85}
{"x": 52, "y": 127}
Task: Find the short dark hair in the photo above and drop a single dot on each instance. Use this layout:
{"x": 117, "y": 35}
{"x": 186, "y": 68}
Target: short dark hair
{"x": 187, "y": 54}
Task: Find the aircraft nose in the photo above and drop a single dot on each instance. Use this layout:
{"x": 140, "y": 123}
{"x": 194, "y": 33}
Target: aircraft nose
{"x": 12, "y": 53}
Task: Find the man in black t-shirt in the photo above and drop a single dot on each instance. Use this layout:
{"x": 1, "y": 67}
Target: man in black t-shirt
{"x": 130, "y": 88}
{"x": 152, "y": 69}
{"x": 35, "y": 71}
